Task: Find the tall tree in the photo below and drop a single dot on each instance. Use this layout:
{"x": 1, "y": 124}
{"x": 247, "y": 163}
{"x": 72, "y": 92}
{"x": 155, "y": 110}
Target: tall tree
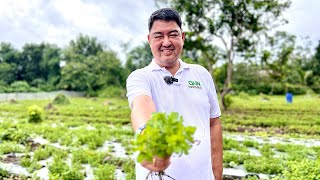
{"x": 83, "y": 46}
{"x": 238, "y": 24}
{"x": 316, "y": 61}
{"x": 277, "y": 59}
{"x": 29, "y": 64}
{"x": 9, "y": 59}
{"x": 93, "y": 73}
{"x": 139, "y": 57}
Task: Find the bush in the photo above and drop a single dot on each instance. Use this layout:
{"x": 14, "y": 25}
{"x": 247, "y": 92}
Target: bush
{"x": 297, "y": 89}
{"x": 244, "y": 95}
{"x": 20, "y": 86}
{"x": 61, "y": 100}
{"x": 111, "y": 91}
{"x": 228, "y": 100}
{"x": 35, "y": 114}
{"x": 316, "y": 88}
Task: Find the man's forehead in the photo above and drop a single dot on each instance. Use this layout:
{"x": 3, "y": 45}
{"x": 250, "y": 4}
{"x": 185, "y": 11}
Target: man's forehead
{"x": 164, "y": 26}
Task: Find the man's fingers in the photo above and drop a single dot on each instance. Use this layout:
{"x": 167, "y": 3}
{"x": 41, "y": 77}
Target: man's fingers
{"x": 157, "y": 164}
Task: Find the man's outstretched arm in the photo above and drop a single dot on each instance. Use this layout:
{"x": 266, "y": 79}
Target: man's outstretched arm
{"x": 142, "y": 108}
{"x": 216, "y": 147}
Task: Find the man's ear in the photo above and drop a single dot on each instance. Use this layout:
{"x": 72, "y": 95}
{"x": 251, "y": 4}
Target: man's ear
{"x": 183, "y": 35}
{"x": 148, "y": 38}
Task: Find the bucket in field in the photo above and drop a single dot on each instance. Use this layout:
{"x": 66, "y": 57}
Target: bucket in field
{"x": 289, "y": 97}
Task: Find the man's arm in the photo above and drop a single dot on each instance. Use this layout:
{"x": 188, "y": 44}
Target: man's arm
{"x": 142, "y": 108}
{"x": 216, "y": 147}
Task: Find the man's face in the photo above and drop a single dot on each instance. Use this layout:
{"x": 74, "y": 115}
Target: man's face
{"x": 166, "y": 42}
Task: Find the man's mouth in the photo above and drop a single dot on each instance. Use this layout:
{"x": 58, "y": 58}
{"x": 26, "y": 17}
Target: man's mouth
{"x": 166, "y": 50}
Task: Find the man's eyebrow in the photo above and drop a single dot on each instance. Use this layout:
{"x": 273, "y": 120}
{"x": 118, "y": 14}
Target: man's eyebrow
{"x": 173, "y": 31}
{"x": 157, "y": 33}
{"x": 160, "y": 33}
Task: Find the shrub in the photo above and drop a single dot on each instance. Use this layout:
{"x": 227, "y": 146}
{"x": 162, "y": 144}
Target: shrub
{"x": 228, "y": 100}
{"x": 297, "y": 89}
{"x": 111, "y": 91}
{"x": 61, "y": 99}
{"x": 35, "y": 114}
{"x": 20, "y": 86}
{"x": 244, "y": 95}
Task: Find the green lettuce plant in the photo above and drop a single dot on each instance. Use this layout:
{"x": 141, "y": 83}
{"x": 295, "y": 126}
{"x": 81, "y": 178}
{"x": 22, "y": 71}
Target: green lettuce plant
{"x": 164, "y": 135}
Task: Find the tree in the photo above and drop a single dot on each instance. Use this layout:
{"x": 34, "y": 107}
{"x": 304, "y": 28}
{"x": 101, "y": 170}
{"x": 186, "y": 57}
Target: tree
{"x": 237, "y": 24}
{"x": 29, "y": 64}
{"x": 9, "y": 57}
{"x": 277, "y": 59}
{"x": 82, "y": 47}
{"x": 50, "y": 64}
{"x": 93, "y": 73}
{"x": 139, "y": 57}
{"x": 316, "y": 61}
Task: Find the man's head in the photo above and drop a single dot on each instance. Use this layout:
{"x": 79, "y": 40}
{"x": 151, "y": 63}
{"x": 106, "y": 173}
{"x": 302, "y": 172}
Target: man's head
{"x": 166, "y": 37}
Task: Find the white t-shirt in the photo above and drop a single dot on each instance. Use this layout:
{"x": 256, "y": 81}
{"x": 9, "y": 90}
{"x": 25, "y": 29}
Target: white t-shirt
{"x": 194, "y": 97}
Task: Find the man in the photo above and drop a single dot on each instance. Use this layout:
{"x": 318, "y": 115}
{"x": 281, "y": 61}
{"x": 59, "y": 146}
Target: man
{"x": 168, "y": 84}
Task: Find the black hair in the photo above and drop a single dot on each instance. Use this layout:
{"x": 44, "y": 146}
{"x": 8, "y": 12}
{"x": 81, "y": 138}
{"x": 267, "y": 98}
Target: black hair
{"x": 166, "y": 14}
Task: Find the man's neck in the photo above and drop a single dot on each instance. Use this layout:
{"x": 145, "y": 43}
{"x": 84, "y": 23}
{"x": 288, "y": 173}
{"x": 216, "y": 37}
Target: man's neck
{"x": 173, "y": 68}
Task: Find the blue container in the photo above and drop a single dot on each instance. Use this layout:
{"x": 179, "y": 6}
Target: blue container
{"x": 289, "y": 97}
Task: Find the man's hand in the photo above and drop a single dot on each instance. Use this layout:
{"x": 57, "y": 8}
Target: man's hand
{"x": 158, "y": 164}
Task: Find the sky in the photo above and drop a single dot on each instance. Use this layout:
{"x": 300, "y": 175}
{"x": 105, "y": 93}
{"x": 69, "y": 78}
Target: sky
{"x": 113, "y": 22}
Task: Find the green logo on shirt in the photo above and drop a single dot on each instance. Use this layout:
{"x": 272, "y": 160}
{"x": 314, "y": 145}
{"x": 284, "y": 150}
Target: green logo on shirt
{"x": 194, "y": 84}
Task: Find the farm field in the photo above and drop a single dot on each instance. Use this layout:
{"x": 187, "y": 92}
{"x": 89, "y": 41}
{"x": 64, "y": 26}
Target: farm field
{"x": 90, "y": 139}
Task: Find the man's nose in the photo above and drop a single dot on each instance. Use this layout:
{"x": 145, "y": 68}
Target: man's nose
{"x": 166, "y": 41}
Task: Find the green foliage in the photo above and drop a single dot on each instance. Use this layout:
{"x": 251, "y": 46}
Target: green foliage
{"x": 266, "y": 165}
{"x": 74, "y": 173}
{"x": 164, "y": 135}
{"x": 111, "y": 91}
{"x": 93, "y": 73}
{"x": 6, "y": 148}
{"x": 228, "y": 100}
{"x": 61, "y": 99}
{"x": 58, "y": 167}
{"x": 35, "y": 114}
{"x": 244, "y": 96}
{"x": 4, "y": 173}
{"x": 26, "y": 161}
{"x": 20, "y": 86}
{"x": 234, "y": 159}
{"x": 14, "y": 134}
{"x": 60, "y": 170}
{"x": 139, "y": 57}
{"x": 297, "y": 89}
{"x": 105, "y": 171}
{"x": 301, "y": 169}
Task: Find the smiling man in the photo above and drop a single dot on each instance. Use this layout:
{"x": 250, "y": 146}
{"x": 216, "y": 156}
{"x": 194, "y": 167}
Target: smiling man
{"x": 168, "y": 84}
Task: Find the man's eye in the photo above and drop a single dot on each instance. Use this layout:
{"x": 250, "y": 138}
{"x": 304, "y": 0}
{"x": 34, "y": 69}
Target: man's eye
{"x": 157, "y": 37}
{"x": 173, "y": 35}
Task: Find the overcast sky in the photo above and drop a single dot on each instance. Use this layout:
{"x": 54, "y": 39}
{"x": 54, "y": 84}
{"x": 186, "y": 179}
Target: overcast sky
{"x": 113, "y": 22}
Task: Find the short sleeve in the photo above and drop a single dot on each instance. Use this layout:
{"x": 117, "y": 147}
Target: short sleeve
{"x": 137, "y": 84}
{"x": 213, "y": 98}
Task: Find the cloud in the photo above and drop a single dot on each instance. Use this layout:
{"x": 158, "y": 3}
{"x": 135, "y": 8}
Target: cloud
{"x": 302, "y": 17}
{"x": 112, "y": 22}
{"x": 59, "y": 21}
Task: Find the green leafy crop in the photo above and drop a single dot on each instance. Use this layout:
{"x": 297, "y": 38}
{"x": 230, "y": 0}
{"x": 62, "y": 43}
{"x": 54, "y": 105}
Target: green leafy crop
{"x": 163, "y": 136}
